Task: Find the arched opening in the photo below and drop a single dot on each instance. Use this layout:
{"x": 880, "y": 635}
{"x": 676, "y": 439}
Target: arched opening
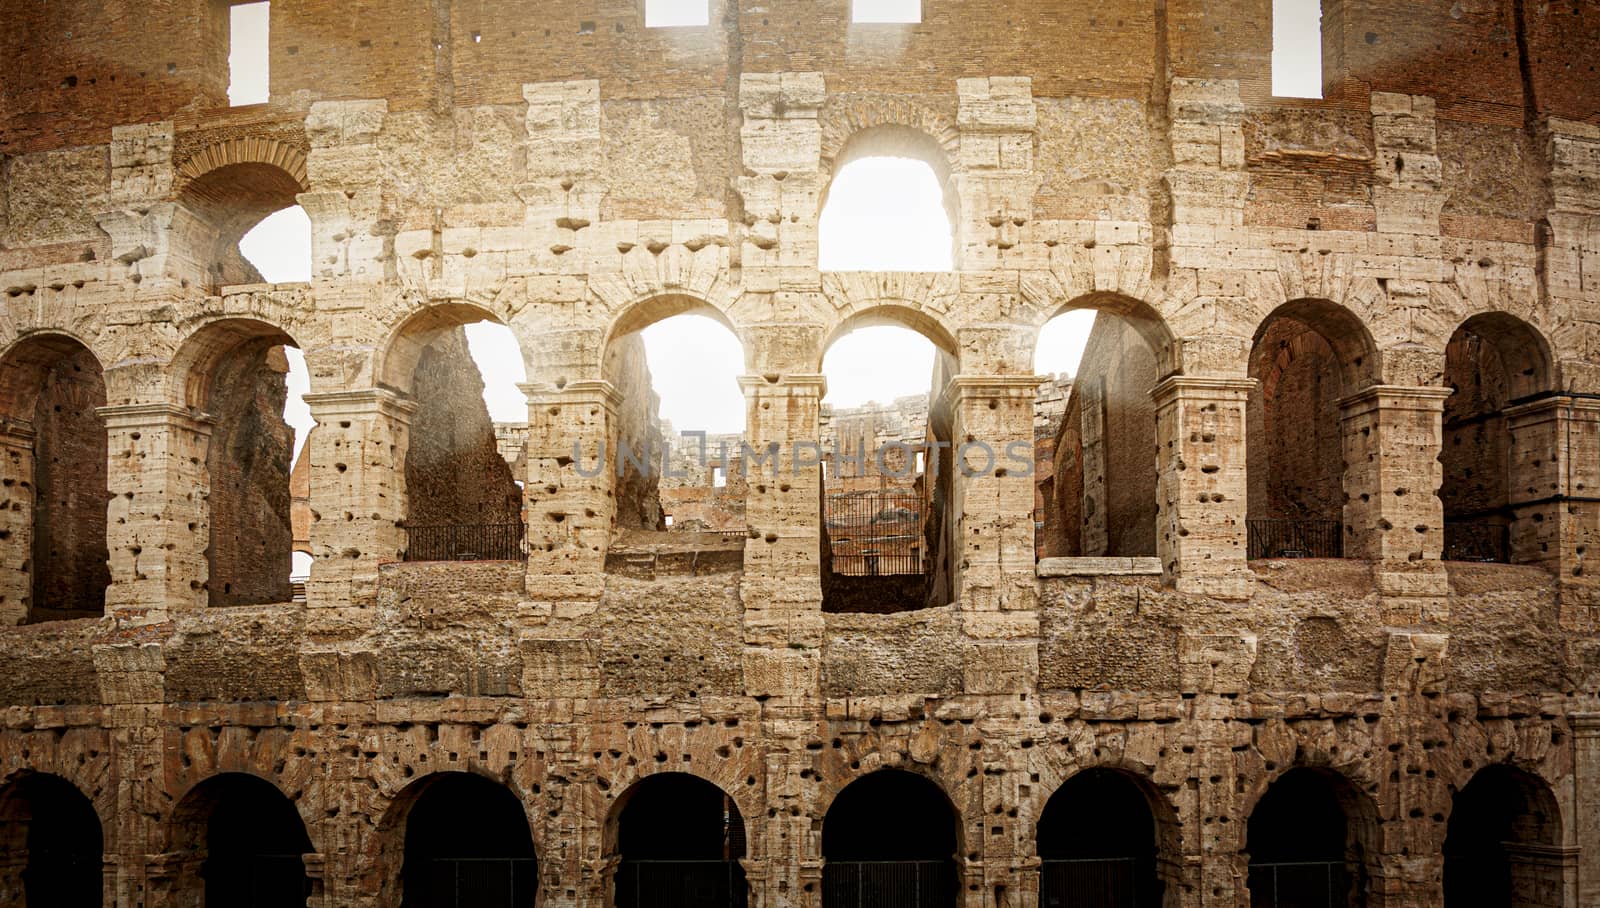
{"x": 243, "y": 841}
{"x": 53, "y": 473}
{"x": 679, "y": 464}
{"x": 1097, "y": 845}
{"x": 1310, "y": 839}
{"x": 679, "y": 840}
{"x": 50, "y": 844}
{"x": 1493, "y": 361}
{"x": 887, "y": 465}
{"x": 1095, "y": 429}
{"x": 1500, "y": 847}
{"x": 888, "y": 206}
{"x": 467, "y": 845}
{"x": 1309, "y": 355}
{"x": 890, "y": 838}
{"x": 237, "y": 373}
{"x": 461, "y": 370}
{"x": 219, "y": 206}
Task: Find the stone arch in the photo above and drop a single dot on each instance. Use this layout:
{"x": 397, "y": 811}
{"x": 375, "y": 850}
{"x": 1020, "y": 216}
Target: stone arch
{"x": 1056, "y": 768}
{"x": 899, "y": 313}
{"x": 1129, "y": 864}
{"x": 1493, "y": 362}
{"x": 1307, "y": 357}
{"x": 234, "y": 372}
{"x": 403, "y": 864}
{"x": 57, "y": 832}
{"x": 1502, "y": 841}
{"x": 643, "y": 312}
{"x": 225, "y": 190}
{"x": 704, "y": 824}
{"x": 237, "y": 836}
{"x": 53, "y": 456}
{"x": 1345, "y": 854}
{"x": 893, "y": 140}
{"x": 1100, "y": 489}
{"x": 873, "y": 122}
{"x": 924, "y": 845}
{"x": 417, "y": 330}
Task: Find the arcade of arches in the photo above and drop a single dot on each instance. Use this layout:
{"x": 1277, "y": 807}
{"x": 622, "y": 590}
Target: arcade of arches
{"x": 1292, "y": 603}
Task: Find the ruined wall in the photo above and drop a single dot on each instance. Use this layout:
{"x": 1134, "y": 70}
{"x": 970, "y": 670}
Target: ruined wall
{"x": 69, "y": 486}
{"x": 1476, "y": 450}
{"x": 252, "y": 538}
{"x": 638, "y": 498}
{"x": 454, "y": 471}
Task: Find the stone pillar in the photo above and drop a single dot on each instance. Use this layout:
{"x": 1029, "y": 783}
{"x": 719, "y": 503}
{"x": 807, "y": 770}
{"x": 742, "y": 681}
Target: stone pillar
{"x": 358, "y": 493}
{"x": 16, "y": 520}
{"x": 1554, "y": 482}
{"x": 1202, "y": 485}
{"x": 1586, "y": 804}
{"x": 782, "y": 584}
{"x": 992, "y": 554}
{"x": 1392, "y": 513}
{"x": 569, "y": 490}
{"x": 158, "y": 521}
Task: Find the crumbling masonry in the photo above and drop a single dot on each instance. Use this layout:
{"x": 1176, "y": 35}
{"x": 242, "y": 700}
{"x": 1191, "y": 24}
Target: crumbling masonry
{"x": 1378, "y": 312}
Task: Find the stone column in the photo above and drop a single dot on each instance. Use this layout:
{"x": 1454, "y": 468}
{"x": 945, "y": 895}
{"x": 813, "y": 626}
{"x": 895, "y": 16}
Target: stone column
{"x": 1554, "y": 482}
{"x": 1392, "y": 513}
{"x": 16, "y": 520}
{"x": 991, "y": 550}
{"x": 1586, "y": 804}
{"x": 568, "y": 495}
{"x": 358, "y": 493}
{"x": 158, "y": 521}
{"x": 1202, "y": 485}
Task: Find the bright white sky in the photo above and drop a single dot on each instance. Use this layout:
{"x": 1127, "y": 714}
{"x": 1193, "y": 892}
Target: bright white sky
{"x": 1297, "y": 48}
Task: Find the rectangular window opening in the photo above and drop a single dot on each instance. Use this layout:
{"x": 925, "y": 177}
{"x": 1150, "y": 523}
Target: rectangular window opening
{"x": 885, "y": 11}
{"x": 670, "y": 13}
{"x": 247, "y": 53}
{"x": 1297, "y": 48}
{"x": 719, "y": 478}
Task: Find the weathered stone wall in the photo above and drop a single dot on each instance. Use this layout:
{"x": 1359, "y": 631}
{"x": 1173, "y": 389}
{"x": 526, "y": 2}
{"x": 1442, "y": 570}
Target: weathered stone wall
{"x": 454, "y": 471}
{"x": 577, "y": 177}
{"x": 69, "y": 487}
{"x": 252, "y": 538}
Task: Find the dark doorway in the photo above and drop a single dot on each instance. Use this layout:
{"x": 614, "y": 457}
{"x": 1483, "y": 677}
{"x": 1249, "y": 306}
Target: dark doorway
{"x": 1301, "y": 852}
{"x": 889, "y": 841}
{"x": 250, "y": 840}
{"x": 53, "y": 830}
{"x": 467, "y": 846}
{"x": 680, "y": 839}
{"x": 1498, "y": 846}
{"x": 1097, "y": 845}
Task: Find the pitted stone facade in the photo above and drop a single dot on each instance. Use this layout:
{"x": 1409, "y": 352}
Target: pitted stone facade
{"x": 561, "y": 169}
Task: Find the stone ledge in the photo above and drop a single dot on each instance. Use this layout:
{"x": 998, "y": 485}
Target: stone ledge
{"x": 1098, "y": 567}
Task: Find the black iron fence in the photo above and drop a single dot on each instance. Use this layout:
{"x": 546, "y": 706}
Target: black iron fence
{"x": 479, "y": 883}
{"x": 680, "y": 884}
{"x": 1276, "y": 538}
{"x": 1299, "y": 884}
{"x": 889, "y": 884}
{"x": 466, "y": 542}
{"x": 1464, "y": 541}
{"x": 1090, "y": 883}
{"x": 875, "y": 532}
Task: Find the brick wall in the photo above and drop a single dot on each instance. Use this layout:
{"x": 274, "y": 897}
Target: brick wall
{"x": 69, "y": 537}
{"x": 251, "y": 445}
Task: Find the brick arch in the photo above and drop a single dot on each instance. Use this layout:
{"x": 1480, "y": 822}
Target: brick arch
{"x": 1356, "y": 801}
{"x": 284, "y": 156}
{"x": 1357, "y": 354}
{"x": 730, "y": 774}
{"x": 94, "y": 778}
{"x": 185, "y": 808}
{"x": 874, "y": 767}
{"x": 732, "y": 786}
{"x": 382, "y": 857}
{"x": 957, "y": 767}
{"x": 1524, "y": 351}
{"x": 884, "y": 122}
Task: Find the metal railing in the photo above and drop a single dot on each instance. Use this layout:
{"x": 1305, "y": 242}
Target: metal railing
{"x": 875, "y": 532}
{"x": 478, "y": 883}
{"x": 1299, "y": 884}
{"x": 1278, "y": 538}
{"x": 680, "y": 884}
{"x": 1089, "y": 883}
{"x": 466, "y": 542}
{"x": 1470, "y": 541}
{"x": 889, "y": 884}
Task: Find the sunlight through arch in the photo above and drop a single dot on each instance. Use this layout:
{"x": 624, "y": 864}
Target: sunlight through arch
{"x": 885, "y": 214}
